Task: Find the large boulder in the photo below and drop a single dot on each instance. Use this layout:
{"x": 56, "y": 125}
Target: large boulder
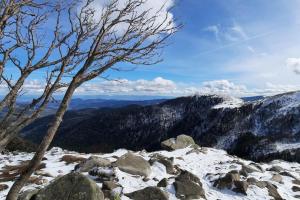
{"x": 188, "y": 186}
{"x": 135, "y": 165}
{"x": 148, "y": 193}
{"x": 93, "y": 162}
{"x": 73, "y": 186}
{"x": 227, "y": 182}
{"x": 182, "y": 141}
{"x": 167, "y": 162}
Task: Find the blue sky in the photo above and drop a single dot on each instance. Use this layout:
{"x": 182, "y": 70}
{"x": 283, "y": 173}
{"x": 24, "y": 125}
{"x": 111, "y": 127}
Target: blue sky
{"x": 237, "y": 47}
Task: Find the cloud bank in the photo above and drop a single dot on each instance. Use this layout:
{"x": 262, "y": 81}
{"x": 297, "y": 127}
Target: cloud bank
{"x": 161, "y": 87}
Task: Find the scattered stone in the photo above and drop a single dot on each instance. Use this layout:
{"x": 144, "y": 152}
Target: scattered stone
{"x": 163, "y": 183}
{"x": 134, "y": 165}
{"x": 111, "y": 189}
{"x": 43, "y": 173}
{"x": 257, "y": 166}
{"x": 241, "y": 187}
{"x": 228, "y": 180}
{"x": 248, "y": 169}
{"x": 284, "y": 173}
{"x": 93, "y": 162}
{"x": 182, "y": 141}
{"x": 28, "y": 195}
{"x": 297, "y": 181}
{"x": 188, "y": 186}
{"x": 72, "y": 159}
{"x": 277, "y": 178}
{"x": 252, "y": 181}
{"x": 297, "y": 196}
{"x": 275, "y": 169}
{"x": 3, "y": 187}
{"x": 145, "y": 179}
{"x": 167, "y": 162}
{"x": 73, "y": 186}
{"x": 38, "y": 180}
{"x": 148, "y": 193}
{"x": 272, "y": 190}
{"x": 261, "y": 184}
{"x": 296, "y": 189}
{"x": 243, "y": 172}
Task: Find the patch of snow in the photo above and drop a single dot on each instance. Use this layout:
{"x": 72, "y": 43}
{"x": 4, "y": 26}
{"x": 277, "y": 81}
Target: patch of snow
{"x": 229, "y": 102}
{"x": 285, "y": 146}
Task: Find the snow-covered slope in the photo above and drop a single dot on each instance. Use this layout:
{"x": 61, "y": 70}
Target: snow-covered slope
{"x": 248, "y": 129}
{"x": 208, "y": 164}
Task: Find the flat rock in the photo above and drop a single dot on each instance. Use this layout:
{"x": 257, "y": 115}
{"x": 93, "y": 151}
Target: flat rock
{"x": 148, "y": 193}
{"x": 228, "y": 180}
{"x": 93, "y": 162}
{"x": 241, "y": 187}
{"x": 188, "y": 186}
{"x": 277, "y": 178}
{"x": 182, "y": 141}
{"x": 73, "y": 186}
{"x": 275, "y": 168}
{"x": 135, "y": 165}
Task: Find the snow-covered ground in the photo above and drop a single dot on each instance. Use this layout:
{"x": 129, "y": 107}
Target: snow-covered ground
{"x": 229, "y": 102}
{"x": 284, "y": 146}
{"x": 210, "y": 161}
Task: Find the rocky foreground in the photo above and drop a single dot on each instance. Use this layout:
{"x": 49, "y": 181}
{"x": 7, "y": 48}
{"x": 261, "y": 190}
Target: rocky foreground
{"x": 183, "y": 171}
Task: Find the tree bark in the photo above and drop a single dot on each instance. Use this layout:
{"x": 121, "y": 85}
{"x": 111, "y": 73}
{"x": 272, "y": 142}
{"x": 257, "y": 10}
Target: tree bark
{"x": 34, "y": 163}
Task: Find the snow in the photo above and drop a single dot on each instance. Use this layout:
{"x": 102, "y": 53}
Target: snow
{"x": 286, "y": 101}
{"x": 215, "y": 162}
{"x": 285, "y": 146}
{"x": 229, "y": 102}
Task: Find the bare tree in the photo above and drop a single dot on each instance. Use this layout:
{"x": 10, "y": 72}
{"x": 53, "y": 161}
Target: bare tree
{"x": 53, "y": 54}
{"x": 122, "y": 34}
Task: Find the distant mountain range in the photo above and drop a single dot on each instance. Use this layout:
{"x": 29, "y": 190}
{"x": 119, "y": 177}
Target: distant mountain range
{"x": 259, "y": 129}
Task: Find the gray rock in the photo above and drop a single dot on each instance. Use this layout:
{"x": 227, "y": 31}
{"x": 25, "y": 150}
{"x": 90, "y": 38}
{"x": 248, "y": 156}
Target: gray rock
{"x": 3, "y": 187}
{"x": 277, "y": 178}
{"x": 275, "y": 169}
{"x": 182, "y": 141}
{"x": 163, "y": 183}
{"x": 188, "y": 186}
{"x": 297, "y": 182}
{"x": 133, "y": 164}
{"x": 249, "y": 169}
{"x": 93, "y": 162}
{"x": 28, "y": 195}
{"x": 284, "y": 173}
{"x": 148, "y": 193}
{"x": 111, "y": 189}
{"x": 241, "y": 187}
{"x": 272, "y": 190}
{"x": 167, "y": 162}
{"x": 73, "y": 186}
{"x": 296, "y": 188}
{"x": 43, "y": 173}
{"x": 228, "y": 180}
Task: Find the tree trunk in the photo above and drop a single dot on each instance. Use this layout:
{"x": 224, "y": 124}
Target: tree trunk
{"x": 34, "y": 163}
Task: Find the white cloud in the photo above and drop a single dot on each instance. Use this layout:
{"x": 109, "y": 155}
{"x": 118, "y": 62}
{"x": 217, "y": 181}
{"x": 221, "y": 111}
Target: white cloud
{"x": 294, "y": 64}
{"x": 231, "y": 33}
{"x": 161, "y": 87}
{"x": 215, "y": 30}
